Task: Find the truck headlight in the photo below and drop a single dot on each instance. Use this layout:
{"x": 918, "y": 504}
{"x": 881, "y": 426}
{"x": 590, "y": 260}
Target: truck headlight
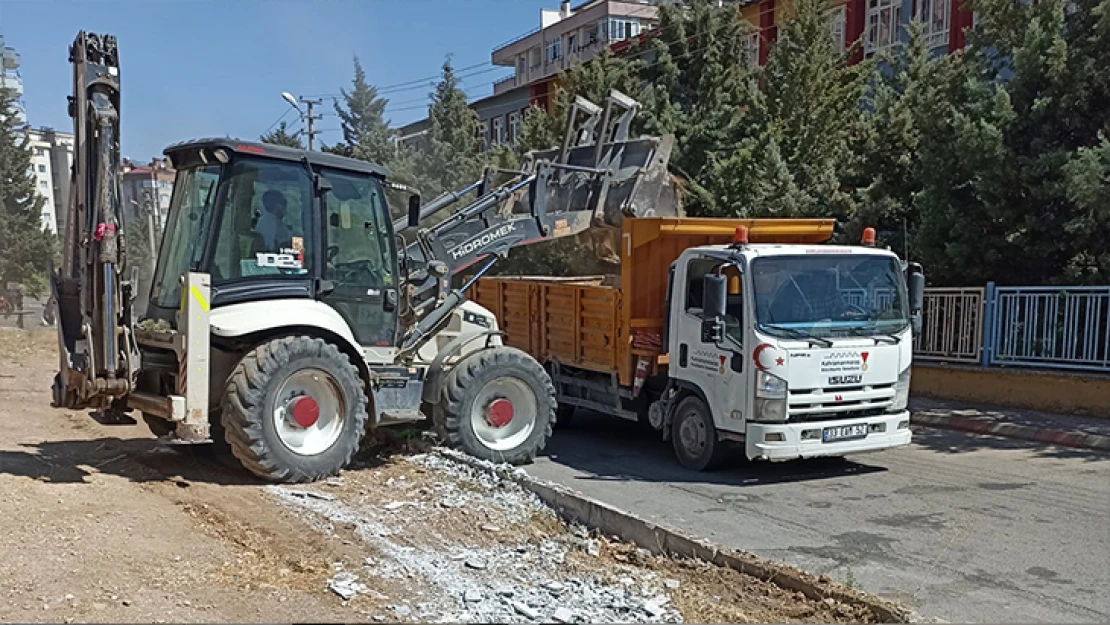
{"x": 770, "y": 397}
{"x": 901, "y": 391}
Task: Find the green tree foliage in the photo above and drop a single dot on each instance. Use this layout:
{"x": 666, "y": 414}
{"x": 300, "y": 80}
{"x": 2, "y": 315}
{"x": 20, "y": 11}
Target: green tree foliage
{"x": 366, "y": 133}
{"x": 452, "y": 156}
{"x": 25, "y": 246}
{"x": 282, "y": 136}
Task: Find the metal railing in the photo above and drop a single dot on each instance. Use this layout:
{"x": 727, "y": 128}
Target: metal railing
{"x": 1054, "y": 327}
{"x": 952, "y": 325}
{"x": 1065, "y": 327}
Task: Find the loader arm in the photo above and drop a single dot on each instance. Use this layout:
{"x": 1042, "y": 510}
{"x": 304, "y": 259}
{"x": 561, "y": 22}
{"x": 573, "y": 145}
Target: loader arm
{"x": 98, "y": 354}
{"x": 595, "y": 178}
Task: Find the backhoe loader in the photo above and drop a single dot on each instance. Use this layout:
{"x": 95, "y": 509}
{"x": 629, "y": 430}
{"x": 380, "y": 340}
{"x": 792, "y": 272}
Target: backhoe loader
{"x": 287, "y": 314}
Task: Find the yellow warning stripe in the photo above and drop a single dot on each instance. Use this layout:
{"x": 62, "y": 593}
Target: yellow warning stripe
{"x": 197, "y": 295}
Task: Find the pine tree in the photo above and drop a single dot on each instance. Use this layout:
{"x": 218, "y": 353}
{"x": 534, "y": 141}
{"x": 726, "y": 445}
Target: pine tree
{"x": 282, "y": 136}
{"x": 451, "y": 160}
{"x": 366, "y": 133}
{"x": 26, "y": 247}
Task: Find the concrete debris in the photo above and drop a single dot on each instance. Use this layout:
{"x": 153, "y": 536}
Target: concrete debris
{"x": 484, "y": 582}
{"x": 491, "y": 528}
{"x": 397, "y": 505}
{"x": 671, "y": 584}
{"x": 346, "y": 585}
{"x": 525, "y": 611}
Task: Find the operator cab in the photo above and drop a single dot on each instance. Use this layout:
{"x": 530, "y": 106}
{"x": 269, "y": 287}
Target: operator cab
{"x": 271, "y": 223}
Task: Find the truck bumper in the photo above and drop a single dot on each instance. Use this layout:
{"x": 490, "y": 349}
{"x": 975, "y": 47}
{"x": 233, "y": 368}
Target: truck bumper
{"x": 790, "y": 441}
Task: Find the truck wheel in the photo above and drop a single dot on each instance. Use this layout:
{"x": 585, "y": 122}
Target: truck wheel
{"x": 294, "y": 410}
{"x": 499, "y": 406}
{"x": 695, "y": 436}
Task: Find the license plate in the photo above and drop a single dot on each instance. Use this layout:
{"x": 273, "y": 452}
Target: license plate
{"x": 844, "y": 432}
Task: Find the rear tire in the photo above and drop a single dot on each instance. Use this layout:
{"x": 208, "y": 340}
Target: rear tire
{"x": 695, "y": 436}
{"x": 499, "y": 405}
{"x": 267, "y": 432}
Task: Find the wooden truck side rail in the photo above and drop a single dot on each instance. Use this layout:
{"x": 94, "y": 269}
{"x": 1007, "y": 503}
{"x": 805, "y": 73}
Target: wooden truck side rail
{"x": 605, "y": 323}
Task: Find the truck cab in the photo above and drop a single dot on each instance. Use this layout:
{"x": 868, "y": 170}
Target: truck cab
{"x": 795, "y": 351}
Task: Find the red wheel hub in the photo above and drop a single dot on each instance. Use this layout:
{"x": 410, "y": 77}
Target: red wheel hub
{"x": 305, "y": 411}
{"x": 500, "y": 413}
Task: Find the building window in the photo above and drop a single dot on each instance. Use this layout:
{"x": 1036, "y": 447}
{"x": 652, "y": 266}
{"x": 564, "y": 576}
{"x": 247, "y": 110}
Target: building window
{"x": 749, "y": 54}
{"x": 40, "y": 151}
{"x": 43, "y": 185}
{"x": 498, "y": 130}
{"x": 572, "y": 44}
{"x": 934, "y": 16}
{"x": 838, "y": 27}
{"x": 535, "y": 58}
{"x": 618, "y": 28}
{"x": 521, "y": 66}
{"x": 514, "y": 126}
{"x": 884, "y": 19}
{"x": 553, "y": 49}
{"x": 42, "y": 168}
{"x": 483, "y": 134}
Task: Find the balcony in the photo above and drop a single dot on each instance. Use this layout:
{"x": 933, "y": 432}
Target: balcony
{"x": 507, "y": 83}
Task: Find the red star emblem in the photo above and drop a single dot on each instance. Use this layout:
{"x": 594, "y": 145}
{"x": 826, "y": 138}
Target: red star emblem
{"x": 780, "y": 361}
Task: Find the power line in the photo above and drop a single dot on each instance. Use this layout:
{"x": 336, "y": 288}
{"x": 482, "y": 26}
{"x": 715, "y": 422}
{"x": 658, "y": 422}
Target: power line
{"x": 418, "y": 82}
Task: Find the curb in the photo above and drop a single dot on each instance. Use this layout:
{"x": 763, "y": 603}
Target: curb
{"x": 574, "y": 506}
{"x": 1081, "y": 440}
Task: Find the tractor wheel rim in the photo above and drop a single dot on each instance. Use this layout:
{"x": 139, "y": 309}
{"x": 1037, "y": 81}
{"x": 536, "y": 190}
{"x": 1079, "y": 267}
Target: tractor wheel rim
{"x": 692, "y": 435}
{"x": 490, "y": 426}
{"x": 309, "y": 436}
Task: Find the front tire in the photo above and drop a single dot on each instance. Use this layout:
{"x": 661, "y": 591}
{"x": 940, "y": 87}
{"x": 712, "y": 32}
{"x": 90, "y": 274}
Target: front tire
{"x": 499, "y": 405}
{"x": 695, "y": 436}
{"x": 294, "y": 410}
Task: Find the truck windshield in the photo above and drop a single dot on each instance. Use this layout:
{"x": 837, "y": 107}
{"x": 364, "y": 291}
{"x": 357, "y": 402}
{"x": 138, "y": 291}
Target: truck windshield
{"x": 190, "y": 218}
{"x": 829, "y": 295}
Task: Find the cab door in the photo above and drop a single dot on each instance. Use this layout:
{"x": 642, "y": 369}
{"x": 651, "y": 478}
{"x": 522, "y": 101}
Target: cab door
{"x": 360, "y": 259}
{"x": 716, "y": 369}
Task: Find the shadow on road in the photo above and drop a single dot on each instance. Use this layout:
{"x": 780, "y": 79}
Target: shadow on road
{"x": 611, "y": 449}
{"x": 957, "y": 442}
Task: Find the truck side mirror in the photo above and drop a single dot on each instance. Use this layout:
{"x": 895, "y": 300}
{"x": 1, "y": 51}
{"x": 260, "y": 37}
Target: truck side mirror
{"x": 917, "y": 300}
{"x": 714, "y": 296}
{"x": 414, "y": 210}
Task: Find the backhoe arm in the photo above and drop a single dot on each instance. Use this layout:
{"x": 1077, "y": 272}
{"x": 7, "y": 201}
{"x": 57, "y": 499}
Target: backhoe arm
{"x": 98, "y": 354}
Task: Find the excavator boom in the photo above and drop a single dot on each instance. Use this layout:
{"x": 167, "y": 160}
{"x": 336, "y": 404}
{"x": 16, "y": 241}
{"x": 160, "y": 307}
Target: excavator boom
{"x": 99, "y": 357}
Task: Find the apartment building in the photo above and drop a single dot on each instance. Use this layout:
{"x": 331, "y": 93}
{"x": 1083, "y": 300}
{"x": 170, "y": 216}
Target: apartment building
{"x": 146, "y": 188}
{"x": 577, "y": 34}
{"x": 11, "y": 80}
{"x": 565, "y": 36}
{"x": 51, "y": 162}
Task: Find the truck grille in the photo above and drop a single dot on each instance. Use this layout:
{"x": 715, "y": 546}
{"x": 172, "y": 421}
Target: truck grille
{"x": 842, "y": 402}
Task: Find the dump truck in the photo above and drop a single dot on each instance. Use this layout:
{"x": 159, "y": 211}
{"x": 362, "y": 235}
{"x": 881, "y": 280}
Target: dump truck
{"x": 722, "y": 333}
{"x": 289, "y": 312}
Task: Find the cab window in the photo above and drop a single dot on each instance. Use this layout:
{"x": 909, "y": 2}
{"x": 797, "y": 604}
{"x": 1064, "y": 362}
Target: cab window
{"x": 266, "y": 228}
{"x": 734, "y": 303}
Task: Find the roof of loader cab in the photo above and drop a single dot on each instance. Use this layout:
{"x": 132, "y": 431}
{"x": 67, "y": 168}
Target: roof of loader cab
{"x": 267, "y": 150}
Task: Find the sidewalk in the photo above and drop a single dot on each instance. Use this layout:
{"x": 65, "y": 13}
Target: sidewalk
{"x": 1055, "y": 429}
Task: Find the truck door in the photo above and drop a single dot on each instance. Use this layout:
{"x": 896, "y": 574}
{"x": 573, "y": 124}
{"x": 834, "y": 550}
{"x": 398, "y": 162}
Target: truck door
{"x": 717, "y": 369}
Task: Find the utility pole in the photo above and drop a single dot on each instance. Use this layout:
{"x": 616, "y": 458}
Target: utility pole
{"x": 309, "y": 118}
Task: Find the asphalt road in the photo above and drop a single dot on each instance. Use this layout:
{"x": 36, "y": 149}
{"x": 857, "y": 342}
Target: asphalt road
{"x": 958, "y": 527}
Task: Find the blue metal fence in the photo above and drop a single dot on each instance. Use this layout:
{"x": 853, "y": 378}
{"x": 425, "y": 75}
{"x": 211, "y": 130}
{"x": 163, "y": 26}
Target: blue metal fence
{"x": 1044, "y": 327}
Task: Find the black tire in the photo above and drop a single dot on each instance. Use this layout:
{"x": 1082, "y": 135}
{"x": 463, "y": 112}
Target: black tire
{"x": 249, "y": 402}
{"x": 564, "y": 416}
{"x": 711, "y": 452}
{"x": 466, "y": 385}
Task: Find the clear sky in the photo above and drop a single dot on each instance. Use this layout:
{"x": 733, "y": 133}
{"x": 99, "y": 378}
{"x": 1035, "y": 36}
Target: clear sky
{"x": 194, "y": 68}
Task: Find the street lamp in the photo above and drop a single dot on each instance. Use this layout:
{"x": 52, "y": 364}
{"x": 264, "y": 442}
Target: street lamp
{"x": 308, "y": 117}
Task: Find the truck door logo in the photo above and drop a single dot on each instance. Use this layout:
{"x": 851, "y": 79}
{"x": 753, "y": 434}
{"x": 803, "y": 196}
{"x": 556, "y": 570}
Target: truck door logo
{"x": 863, "y": 356}
{"x": 722, "y": 368}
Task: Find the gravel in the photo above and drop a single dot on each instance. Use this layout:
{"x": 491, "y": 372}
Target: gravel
{"x": 517, "y": 582}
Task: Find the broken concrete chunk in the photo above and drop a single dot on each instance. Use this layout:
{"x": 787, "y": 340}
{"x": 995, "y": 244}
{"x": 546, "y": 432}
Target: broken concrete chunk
{"x": 593, "y": 548}
{"x": 346, "y": 585}
{"x": 563, "y": 615}
{"x": 472, "y": 596}
{"x": 671, "y": 584}
{"x": 401, "y": 610}
{"x": 525, "y": 610}
{"x": 477, "y": 564}
{"x": 397, "y": 505}
{"x": 491, "y": 528}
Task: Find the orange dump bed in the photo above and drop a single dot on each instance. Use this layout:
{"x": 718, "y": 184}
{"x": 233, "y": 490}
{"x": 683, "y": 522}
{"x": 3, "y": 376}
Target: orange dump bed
{"x": 604, "y": 323}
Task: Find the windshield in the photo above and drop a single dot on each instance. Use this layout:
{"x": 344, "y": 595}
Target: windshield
{"x": 829, "y": 295}
{"x": 190, "y": 219}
